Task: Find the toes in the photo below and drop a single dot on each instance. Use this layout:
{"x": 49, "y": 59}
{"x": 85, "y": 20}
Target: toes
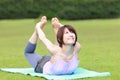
{"x": 56, "y": 19}
{"x": 52, "y": 19}
{"x": 43, "y": 18}
{"x": 55, "y": 22}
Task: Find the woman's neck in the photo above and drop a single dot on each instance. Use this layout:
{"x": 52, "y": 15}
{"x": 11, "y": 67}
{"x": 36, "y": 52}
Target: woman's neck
{"x": 67, "y": 49}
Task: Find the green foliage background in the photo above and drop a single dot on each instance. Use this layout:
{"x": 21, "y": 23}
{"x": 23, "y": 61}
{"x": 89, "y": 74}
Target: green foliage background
{"x": 64, "y": 9}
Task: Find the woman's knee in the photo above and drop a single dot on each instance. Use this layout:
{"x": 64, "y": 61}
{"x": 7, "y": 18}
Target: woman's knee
{"x": 26, "y": 54}
{"x": 30, "y": 48}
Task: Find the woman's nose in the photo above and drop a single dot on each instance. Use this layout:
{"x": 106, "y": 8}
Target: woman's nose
{"x": 71, "y": 34}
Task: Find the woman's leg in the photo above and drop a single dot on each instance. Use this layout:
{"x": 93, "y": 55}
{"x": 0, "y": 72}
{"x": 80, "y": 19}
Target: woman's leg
{"x": 29, "y": 52}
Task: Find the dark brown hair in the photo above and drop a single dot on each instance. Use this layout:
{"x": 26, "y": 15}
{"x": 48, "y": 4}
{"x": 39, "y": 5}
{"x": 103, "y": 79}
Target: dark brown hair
{"x": 60, "y": 34}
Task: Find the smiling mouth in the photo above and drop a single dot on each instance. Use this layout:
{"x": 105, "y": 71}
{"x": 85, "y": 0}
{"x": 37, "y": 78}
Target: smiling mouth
{"x": 70, "y": 38}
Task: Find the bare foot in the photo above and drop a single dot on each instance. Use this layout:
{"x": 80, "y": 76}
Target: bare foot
{"x": 55, "y": 23}
{"x": 42, "y": 22}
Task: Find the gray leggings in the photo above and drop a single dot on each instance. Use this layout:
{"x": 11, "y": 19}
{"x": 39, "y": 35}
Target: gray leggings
{"x": 30, "y": 54}
{"x": 36, "y": 61}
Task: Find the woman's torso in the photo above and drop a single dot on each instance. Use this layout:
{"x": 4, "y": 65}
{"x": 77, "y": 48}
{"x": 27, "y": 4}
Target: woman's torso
{"x": 61, "y": 64}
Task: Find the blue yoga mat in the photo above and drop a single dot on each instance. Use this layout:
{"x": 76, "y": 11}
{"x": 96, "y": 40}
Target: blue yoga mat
{"x": 79, "y": 73}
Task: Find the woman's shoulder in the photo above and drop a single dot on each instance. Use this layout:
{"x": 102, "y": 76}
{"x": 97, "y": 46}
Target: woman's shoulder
{"x": 56, "y": 49}
{"x": 77, "y": 46}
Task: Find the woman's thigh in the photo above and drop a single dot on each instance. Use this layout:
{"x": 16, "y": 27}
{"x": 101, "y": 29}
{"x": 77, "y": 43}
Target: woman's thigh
{"x": 33, "y": 59}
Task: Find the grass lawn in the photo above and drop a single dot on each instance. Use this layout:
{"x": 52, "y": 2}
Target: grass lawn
{"x": 100, "y": 40}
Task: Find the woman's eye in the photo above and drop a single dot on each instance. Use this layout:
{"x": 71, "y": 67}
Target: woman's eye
{"x": 71, "y": 31}
{"x": 66, "y": 32}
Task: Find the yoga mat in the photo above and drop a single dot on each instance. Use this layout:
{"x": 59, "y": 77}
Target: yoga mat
{"x": 78, "y": 73}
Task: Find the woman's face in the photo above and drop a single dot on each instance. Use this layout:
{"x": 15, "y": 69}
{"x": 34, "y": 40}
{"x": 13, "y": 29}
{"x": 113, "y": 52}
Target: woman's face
{"x": 68, "y": 37}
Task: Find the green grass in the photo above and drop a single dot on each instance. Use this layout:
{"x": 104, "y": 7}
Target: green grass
{"x": 100, "y": 40}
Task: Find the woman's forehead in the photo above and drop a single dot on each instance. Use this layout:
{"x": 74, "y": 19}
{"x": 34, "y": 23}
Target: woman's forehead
{"x": 66, "y": 29}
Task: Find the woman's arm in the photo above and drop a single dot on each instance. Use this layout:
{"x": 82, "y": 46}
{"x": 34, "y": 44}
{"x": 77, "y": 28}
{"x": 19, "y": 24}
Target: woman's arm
{"x": 77, "y": 47}
{"x": 42, "y": 37}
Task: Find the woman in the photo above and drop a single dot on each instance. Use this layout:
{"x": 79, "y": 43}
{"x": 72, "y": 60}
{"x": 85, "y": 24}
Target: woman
{"x": 63, "y": 59}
